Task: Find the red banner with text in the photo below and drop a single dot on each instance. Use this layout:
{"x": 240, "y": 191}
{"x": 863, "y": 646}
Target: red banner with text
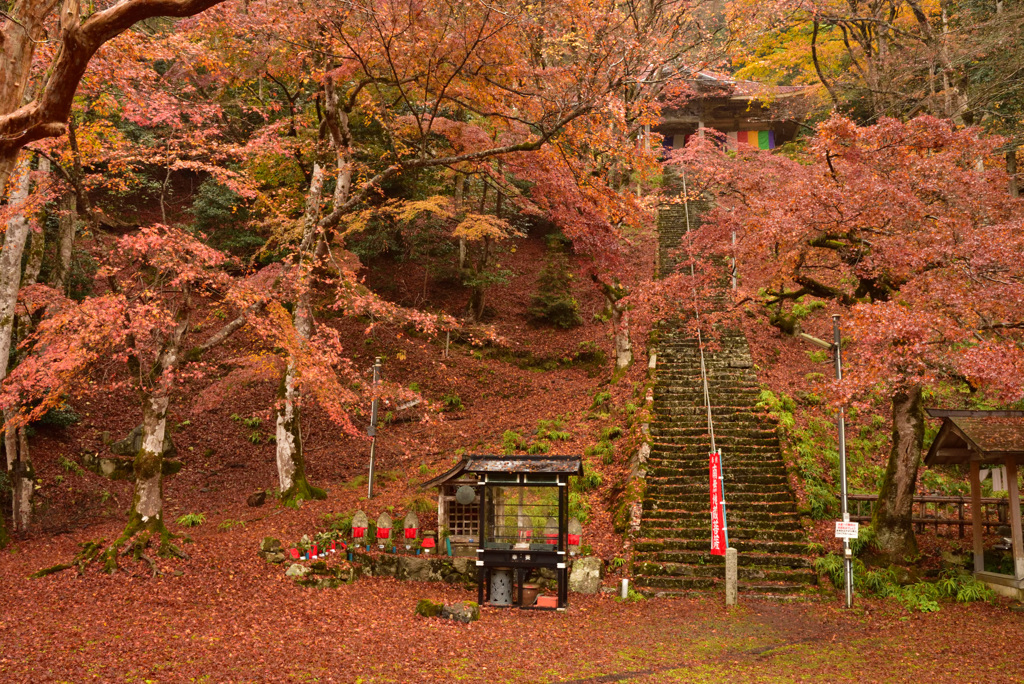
{"x": 717, "y": 521}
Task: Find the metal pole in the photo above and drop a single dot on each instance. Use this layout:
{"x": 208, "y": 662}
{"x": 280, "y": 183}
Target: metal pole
{"x": 734, "y": 273}
{"x": 841, "y": 423}
{"x": 372, "y": 430}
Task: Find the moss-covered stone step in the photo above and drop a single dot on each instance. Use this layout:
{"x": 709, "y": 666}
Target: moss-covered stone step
{"x": 776, "y": 560}
{"x": 715, "y": 587}
{"x": 741, "y": 545}
{"x": 785, "y": 519}
{"x": 748, "y": 479}
{"x": 685, "y": 412}
{"x": 672, "y": 530}
{"x": 738, "y": 437}
{"x": 738, "y": 465}
{"x": 738, "y": 501}
{"x": 685, "y": 449}
{"x": 698, "y": 467}
{"x": 721, "y": 396}
{"x": 701, "y": 486}
{"x": 737, "y": 506}
{"x": 760, "y": 573}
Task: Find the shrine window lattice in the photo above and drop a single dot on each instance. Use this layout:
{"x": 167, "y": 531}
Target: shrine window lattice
{"x": 463, "y": 520}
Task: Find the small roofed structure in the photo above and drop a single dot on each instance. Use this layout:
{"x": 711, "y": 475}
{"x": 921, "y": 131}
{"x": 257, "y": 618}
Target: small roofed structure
{"x": 747, "y": 112}
{"x": 514, "y": 511}
{"x": 986, "y": 438}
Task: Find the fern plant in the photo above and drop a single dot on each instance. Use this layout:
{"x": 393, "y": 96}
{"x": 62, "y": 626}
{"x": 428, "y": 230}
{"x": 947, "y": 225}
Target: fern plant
{"x": 191, "y": 519}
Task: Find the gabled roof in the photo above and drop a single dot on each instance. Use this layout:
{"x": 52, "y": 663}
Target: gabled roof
{"x": 977, "y": 436}
{"x": 744, "y": 89}
{"x": 482, "y": 463}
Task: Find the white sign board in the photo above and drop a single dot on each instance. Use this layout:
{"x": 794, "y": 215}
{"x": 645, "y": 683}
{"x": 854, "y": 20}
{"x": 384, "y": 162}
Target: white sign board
{"x": 846, "y": 530}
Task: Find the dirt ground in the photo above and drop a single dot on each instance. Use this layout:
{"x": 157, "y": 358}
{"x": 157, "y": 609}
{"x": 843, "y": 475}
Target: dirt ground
{"x": 224, "y": 615}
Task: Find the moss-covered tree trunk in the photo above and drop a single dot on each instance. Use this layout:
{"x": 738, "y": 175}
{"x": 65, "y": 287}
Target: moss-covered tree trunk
{"x": 293, "y": 485}
{"x": 148, "y": 503}
{"x": 146, "y": 518}
{"x": 65, "y": 241}
{"x": 15, "y": 238}
{"x": 22, "y": 476}
{"x": 618, "y": 314}
{"x": 291, "y": 466}
{"x": 894, "y": 531}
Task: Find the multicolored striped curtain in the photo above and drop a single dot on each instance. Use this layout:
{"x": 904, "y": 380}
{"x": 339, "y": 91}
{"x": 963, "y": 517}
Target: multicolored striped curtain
{"x": 762, "y": 140}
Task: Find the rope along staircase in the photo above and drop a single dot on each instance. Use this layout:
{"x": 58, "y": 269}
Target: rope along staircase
{"x": 673, "y": 554}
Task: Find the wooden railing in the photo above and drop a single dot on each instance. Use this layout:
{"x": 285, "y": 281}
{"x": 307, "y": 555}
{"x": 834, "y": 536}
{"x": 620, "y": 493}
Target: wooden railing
{"x": 947, "y": 511}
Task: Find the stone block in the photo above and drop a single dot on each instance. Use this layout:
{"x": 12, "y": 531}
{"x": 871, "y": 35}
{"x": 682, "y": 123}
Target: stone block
{"x": 585, "y": 577}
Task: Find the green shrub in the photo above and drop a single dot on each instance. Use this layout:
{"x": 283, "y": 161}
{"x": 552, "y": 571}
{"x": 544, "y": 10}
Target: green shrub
{"x": 422, "y": 504}
{"x": 541, "y": 446}
{"x": 957, "y": 585}
{"x": 191, "y": 519}
{"x": 589, "y": 481}
{"x": 579, "y": 507}
{"x": 62, "y": 416}
{"x": 612, "y": 432}
{"x": 553, "y": 302}
{"x": 452, "y": 402}
{"x": 821, "y": 501}
{"x": 230, "y": 524}
{"x": 512, "y": 442}
{"x": 600, "y": 399}
{"x": 553, "y": 430}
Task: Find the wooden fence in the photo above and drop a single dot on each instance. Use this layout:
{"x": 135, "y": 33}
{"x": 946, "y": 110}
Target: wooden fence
{"x": 939, "y": 511}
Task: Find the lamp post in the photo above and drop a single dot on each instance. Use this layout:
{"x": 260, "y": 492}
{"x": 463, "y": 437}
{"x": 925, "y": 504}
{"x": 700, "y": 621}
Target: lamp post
{"x": 837, "y": 357}
{"x": 372, "y": 430}
{"x": 841, "y": 424}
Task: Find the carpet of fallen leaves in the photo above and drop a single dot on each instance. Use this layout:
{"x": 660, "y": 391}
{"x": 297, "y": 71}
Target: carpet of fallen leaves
{"x": 224, "y": 615}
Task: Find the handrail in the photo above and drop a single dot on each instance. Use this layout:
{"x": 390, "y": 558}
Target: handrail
{"x": 994, "y": 511}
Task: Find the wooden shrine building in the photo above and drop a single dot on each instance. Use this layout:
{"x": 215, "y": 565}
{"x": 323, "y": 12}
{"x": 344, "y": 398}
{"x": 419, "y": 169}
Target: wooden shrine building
{"x": 989, "y": 438}
{"x": 746, "y": 112}
{"x": 514, "y": 513}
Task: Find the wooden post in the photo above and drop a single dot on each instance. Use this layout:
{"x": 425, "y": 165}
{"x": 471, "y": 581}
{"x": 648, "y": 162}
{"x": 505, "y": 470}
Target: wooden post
{"x": 731, "y": 573}
{"x": 979, "y": 544}
{"x": 1018, "y": 539}
{"x": 960, "y": 514}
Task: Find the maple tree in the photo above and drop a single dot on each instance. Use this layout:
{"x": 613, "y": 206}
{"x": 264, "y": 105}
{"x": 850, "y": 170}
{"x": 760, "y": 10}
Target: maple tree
{"x": 896, "y": 226}
{"x": 379, "y": 94}
{"x": 957, "y": 60}
{"x": 154, "y": 278}
{"x": 38, "y": 79}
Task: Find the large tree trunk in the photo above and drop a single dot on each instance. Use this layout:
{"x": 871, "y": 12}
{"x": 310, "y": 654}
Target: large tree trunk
{"x": 21, "y": 474}
{"x": 623, "y": 345}
{"x": 293, "y": 485}
{"x": 146, "y": 517}
{"x": 894, "y": 532}
{"x": 146, "y": 525}
{"x": 65, "y": 241}
{"x": 291, "y": 466}
{"x": 148, "y": 502}
{"x": 19, "y": 461}
{"x": 619, "y": 316}
{"x": 19, "y": 470}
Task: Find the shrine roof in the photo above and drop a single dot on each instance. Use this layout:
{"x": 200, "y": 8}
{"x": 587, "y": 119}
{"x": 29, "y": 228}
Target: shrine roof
{"x": 482, "y": 463}
{"x": 977, "y": 436}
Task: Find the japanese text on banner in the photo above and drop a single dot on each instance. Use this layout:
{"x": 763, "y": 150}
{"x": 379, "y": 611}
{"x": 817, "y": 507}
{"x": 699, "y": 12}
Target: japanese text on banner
{"x": 717, "y": 524}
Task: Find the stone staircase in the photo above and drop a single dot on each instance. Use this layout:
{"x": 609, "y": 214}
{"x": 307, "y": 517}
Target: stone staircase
{"x": 673, "y": 552}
